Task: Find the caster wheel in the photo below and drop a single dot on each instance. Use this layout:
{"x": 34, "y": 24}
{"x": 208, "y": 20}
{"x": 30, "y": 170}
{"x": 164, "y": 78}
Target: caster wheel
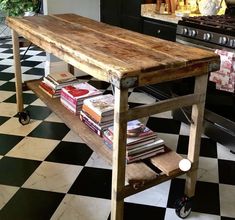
{"x": 183, "y": 207}
{"x": 24, "y": 117}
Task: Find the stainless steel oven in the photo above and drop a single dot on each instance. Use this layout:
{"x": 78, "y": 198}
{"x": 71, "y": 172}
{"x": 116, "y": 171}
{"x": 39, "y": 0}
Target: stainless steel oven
{"x": 211, "y": 32}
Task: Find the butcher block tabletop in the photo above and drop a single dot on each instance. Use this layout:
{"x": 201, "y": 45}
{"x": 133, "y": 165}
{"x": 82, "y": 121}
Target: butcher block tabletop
{"x": 122, "y": 57}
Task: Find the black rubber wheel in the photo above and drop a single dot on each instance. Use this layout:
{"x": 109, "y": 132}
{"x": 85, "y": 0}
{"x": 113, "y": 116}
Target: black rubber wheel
{"x": 183, "y": 207}
{"x": 24, "y": 117}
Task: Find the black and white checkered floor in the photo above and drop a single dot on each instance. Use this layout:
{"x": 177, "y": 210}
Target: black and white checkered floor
{"x": 47, "y": 172}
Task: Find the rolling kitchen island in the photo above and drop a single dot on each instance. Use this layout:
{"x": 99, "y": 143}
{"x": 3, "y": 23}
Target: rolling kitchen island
{"x": 126, "y": 60}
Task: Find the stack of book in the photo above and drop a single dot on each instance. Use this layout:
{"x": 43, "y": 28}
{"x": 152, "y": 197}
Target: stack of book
{"x": 97, "y": 113}
{"x": 141, "y": 143}
{"x": 72, "y": 96}
{"x": 54, "y": 82}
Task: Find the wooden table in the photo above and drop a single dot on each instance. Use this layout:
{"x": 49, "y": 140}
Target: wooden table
{"x": 125, "y": 59}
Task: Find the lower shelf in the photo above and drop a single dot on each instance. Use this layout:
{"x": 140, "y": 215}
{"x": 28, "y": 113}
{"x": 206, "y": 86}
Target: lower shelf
{"x": 135, "y": 172}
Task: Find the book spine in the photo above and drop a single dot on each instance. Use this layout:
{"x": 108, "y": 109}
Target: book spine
{"x": 69, "y": 107}
{"x": 47, "y": 88}
{"x": 48, "y": 82}
{"x": 90, "y": 120}
{"x": 92, "y": 127}
{"x": 66, "y": 96}
{"x": 92, "y": 113}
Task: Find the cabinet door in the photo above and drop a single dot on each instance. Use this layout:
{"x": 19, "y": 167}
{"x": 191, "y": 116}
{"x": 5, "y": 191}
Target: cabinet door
{"x": 162, "y": 30}
{"x": 110, "y": 12}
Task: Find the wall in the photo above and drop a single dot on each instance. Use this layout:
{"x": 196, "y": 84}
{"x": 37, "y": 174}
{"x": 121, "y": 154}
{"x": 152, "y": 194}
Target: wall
{"x": 87, "y": 8}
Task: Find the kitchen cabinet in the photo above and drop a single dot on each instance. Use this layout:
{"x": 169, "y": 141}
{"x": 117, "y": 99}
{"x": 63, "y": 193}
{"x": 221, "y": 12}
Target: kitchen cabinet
{"x": 161, "y": 29}
{"x": 122, "y": 13}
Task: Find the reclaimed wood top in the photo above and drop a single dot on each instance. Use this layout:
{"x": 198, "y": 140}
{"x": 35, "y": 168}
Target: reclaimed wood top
{"x": 122, "y": 57}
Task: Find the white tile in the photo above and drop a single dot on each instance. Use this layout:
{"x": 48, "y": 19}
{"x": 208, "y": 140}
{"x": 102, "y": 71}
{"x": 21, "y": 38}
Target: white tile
{"x": 30, "y": 52}
{"x": 138, "y": 97}
{"x": 5, "y": 55}
{"x": 6, "y": 192}
{"x": 12, "y": 70}
{"x": 81, "y": 207}
{"x": 224, "y": 153}
{"x": 8, "y": 62}
{"x": 72, "y": 137}
{"x": 227, "y": 200}
{"x": 8, "y": 109}
{"x": 38, "y": 102}
{"x": 1, "y": 83}
{"x": 53, "y": 118}
{"x": 5, "y": 95}
{"x": 41, "y": 65}
{"x": 55, "y": 177}
{"x": 207, "y": 170}
{"x": 155, "y": 196}
{"x": 37, "y": 58}
{"x": 171, "y": 140}
{"x": 171, "y": 215}
{"x": 13, "y": 127}
{"x": 163, "y": 115}
{"x": 26, "y": 77}
{"x": 96, "y": 161}
{"x": 33, "y": 148}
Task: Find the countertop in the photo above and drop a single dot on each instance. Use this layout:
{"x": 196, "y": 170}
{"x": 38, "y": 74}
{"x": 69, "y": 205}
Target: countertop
{"x": 149, "y": 11}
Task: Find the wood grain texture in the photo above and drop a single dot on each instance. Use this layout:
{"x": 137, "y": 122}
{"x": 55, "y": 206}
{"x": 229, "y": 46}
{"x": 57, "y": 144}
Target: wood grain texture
{"x": 110, "y": 53}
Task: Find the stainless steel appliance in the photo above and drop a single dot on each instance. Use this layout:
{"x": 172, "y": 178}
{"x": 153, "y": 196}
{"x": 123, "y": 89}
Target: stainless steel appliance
{"x": 212, "y": 32}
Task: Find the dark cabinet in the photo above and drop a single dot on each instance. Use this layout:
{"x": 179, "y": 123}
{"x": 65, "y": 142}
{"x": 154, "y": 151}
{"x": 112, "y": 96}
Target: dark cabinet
{"x": 122, "y": 13}
{"x": 161, "y": 29}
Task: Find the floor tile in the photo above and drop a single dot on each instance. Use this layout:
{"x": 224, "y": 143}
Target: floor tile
{"x": 7, "y": 142}
{"x": 72, "y": 137}
{"x": 3, "y": 119}
{"x": 13, "y": 127}
{"x": 53, "y": 118}
{"x": 169, "y": 139}
{"x": 50, "y": 130}
{"x": 140, "y": 212}
{"x": 227, "y": 200}
{"x": 226, "y": 172}
{"x": 15, "y": 171}
{"x": 8, "y": 109}
{"x": 6, "y": 192}
{"x": 6, "y": 76}
{"x": 8, "y": 86}
{"x": 138, "y": 97}
{"x": 70, "y": 153}
{"x": 171, "y": 215}
{"x": 30, "y": 63}
{"x": 97, "y": 161}
{"x": 38, "y": 102}
{"x": 12, "y": 69}
{"x": 164, "y": 125}
{"x": 33, "y": 148}
{"x": 208, "y": 146}
{"x": 38, "y": 112}
{"x": 53, "y": 177}
{"x": 208, "y": 204}
{"x": 155, "y": 196}
{"x": 224, "y": 153}
{"x": 35, "y": 71}
{"x": 82, "y": 207}
{"x": 93, "y": 182}
{"x": 45, "y": 203}
{"x": 5, "y": 95}
{"x": 27, "y": 98}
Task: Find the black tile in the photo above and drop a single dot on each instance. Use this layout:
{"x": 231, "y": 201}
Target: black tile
{"x": 70, "y": 153}
{"x": 208, "y": 146}
{"x": 28, "y": 204}
{"x": 3, "y": 67}
{"x": 22, "y": 56}
{"x": 42, "y": 54}
{"x": 206, "y": 199}
{"x": 164, "y": 125}
{"x": 93, "y": 182}
{"x": 6, "y": 45}
{"x": 28, "y": 98}
{"x": 133, "y": 105}
{"x": 10, "y": 51}
{"x": 6, "y": 76}
{"x": 15, "y": 171}
{"x": 38, "y": 112}
{"x": 226, "y": 172}
{"x": 51, "y": 130}
{"x": 3, "y": 119}
{"x": 99, "y": 84}
{"x": 35, "y": 71}
{"x": 84, "y": 77}
{"x": 226, "y": 218}
{"x": 30, "y": 63}
{"x": 8, "y": 86}
{"x": 7, "y": 142}
{"x": 140, "y": 212}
